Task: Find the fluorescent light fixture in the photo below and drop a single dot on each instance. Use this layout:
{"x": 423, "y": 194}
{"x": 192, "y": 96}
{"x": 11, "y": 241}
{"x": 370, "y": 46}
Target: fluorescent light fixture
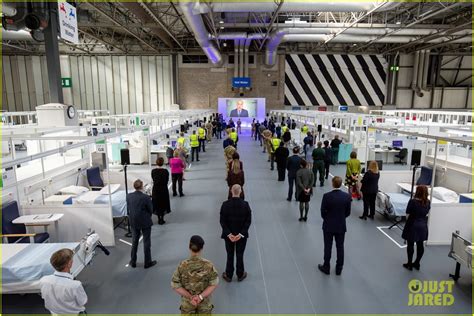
{"x": 221, "y": 22}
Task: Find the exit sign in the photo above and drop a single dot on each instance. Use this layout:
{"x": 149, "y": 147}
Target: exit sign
{"x": 66, "y": 82}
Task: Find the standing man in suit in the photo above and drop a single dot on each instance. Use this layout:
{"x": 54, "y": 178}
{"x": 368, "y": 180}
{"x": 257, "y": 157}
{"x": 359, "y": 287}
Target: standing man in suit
{"x": 141, "y": 209}
{"x": 335, "y": 207}
{"x": 293, "y": 164}
{"x": 239, "y": 111}
{"x": 235, "y": 219}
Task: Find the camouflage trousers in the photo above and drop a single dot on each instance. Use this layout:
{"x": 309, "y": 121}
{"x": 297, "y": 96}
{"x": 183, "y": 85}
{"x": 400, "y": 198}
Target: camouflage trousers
{"x": 205, "y": 308}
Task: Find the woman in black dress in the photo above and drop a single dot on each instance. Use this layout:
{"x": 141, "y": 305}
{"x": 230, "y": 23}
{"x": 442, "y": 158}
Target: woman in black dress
{"x": 416, "y": 227}
{"x": 370, "y": 188}
{"x": 160, "y": 196}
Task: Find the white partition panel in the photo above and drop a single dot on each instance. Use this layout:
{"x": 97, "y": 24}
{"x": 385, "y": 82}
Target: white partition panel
{"x": 77, "y": 221}
{"x": 389, "y": 179}
{"x": 445, "y": 219}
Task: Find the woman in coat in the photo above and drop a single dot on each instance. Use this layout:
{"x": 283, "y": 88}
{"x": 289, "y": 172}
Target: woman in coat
{"x": 236, "y": 176}
{"x": 416, "y": 227}
{"x": 304, "y": 188}
{"x": 160, "y": 195}
{"x": 370, "y": 188}
{"x": 352, "y": 175}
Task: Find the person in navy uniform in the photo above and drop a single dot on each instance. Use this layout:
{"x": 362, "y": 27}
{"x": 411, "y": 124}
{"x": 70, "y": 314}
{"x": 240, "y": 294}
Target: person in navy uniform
{"x": 239, "y": 111}
{"x": 335, "y": 207}
{"x": 141, "y": 209}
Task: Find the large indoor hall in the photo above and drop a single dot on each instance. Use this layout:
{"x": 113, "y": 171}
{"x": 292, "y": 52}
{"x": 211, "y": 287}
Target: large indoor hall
{"x": 222, "y": 157}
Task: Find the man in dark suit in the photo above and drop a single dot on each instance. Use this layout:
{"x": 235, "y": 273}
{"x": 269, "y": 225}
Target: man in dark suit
{"x": 239, "y": 111}
{"x": 293, "y": 164}
{"x": 235, "y": 219}
{"x": 335, "y": 207}
{"x": 140, "y": 208}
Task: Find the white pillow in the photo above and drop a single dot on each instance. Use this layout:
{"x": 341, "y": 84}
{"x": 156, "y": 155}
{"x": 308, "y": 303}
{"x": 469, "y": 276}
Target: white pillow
{"x": 445, "y": 195}
{"x": 73, "y": 190}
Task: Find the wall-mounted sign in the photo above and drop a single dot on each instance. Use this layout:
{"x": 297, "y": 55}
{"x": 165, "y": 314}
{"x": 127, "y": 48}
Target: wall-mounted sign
{"x": 322, "y": 108}
{"x": 343, "y": 108}
{"x": 68, "y": 22}
{"x": 241, "y": 82}
{"x": 66, "y": 82}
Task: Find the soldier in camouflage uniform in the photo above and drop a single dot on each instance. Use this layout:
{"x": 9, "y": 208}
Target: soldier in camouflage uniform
{"x": 267, "y": 142}
{"x": 195, "y": 279}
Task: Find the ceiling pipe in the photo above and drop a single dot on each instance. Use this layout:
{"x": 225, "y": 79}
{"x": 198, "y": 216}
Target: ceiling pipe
{"x": 424, "y": 82}
{"x": 289, "y": 35}
{"x": 200, "y": 32}
{"x": 303, "y": 6}
{"x": 303, "y": 24}
{"x": 415, "y": 71}
{"x": 236, "y": 57}
{"x": 241, "y": 57}
{"x": 21, "y": 35}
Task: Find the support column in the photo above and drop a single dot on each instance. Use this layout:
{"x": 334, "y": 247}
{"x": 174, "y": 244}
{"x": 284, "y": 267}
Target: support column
{"x": 52, "y": 55}
{"x": 174, "y": 66}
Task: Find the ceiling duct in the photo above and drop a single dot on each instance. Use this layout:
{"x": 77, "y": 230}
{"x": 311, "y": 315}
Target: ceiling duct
{"x": 336, "y": 6}
{"x": 200, "y": 33}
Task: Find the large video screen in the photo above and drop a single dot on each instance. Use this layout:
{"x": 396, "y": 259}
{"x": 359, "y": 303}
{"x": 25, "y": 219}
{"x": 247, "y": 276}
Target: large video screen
{"x": 242, "y": 107}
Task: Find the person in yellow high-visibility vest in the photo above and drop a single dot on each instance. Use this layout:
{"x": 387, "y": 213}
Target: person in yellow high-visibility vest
{"x": 181, "y": 140}
{"x": 194, "y": 142}
{"x": 275, "y": 144}
{"x": 284, "y": 128}
{"x": 234, "y": 136}
{"x": 202, "y": 138}
{"x": 304, "y": 129}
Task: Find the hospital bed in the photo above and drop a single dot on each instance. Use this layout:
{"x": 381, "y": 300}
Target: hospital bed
{"x": 81, "y": 195}
{"x": 395, "y": 204}
{"x": 23, "y": 265}
{"x": 461, "y": 252}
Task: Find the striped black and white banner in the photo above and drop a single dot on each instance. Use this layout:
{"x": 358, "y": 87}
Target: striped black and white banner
{"x": 335, "y": 79}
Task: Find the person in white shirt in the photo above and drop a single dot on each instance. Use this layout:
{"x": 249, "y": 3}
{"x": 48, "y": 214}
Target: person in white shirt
{"x": 61, "y": 293}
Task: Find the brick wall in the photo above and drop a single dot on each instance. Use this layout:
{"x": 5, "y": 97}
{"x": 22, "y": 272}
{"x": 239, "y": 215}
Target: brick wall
{"x": 200, "y": 88}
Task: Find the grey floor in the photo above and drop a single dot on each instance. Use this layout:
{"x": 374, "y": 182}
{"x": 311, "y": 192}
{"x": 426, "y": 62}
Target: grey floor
{"x": 281, "y": 256}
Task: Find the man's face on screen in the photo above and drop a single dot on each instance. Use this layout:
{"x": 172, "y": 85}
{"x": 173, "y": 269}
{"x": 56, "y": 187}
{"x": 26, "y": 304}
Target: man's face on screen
{"x": 240, "y": 105}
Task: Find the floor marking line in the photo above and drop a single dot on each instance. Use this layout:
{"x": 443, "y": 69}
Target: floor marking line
{"x": 297, "y": 268}
{"x": 395, "y": 242}
{"x": 125, "y": 242}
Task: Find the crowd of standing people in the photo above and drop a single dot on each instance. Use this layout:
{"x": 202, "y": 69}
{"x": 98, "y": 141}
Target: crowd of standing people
{"x": 196, "y": 278}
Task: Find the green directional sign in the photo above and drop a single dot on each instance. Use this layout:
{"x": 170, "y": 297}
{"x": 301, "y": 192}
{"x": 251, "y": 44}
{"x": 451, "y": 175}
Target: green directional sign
{"x": 66, "y": 82}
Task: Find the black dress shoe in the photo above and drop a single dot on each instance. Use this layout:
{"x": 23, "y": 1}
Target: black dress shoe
{"x": 416, "y": 266}
{"x": 305, "y": 219}
{"x": 323, "y": 269}
{"x": 133, "y": 265}
{"x": 300, "y": 219}
{"x": 322, "y": 184}
{"x": 175, "y": 194}
{"x": 226, "y": 278}
{"x": 338, "y": 271}
{"x": 363, "y": 217}
{"x": 289, "y": 200}
{"x": 241, "y": 278}
{"x": 151, "y": 264}
{"x": 408, "y": 266}
{"x": 181, "y": 195}
{"x": 371, "y": 216}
